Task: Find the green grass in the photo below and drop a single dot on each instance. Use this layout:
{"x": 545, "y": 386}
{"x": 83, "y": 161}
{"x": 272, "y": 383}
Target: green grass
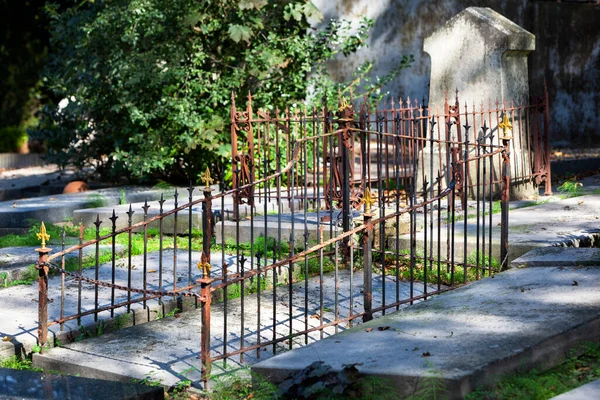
{"x": 445, "y": 278}
{"x": 576, "y": 371}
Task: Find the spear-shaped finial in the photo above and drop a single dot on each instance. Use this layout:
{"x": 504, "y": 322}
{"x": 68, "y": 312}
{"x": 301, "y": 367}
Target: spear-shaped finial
{"x": 506, "y": 126}
{"x": 43, "y": 235}
{"x": 206, "y": 178}
{"x": 368, "y": 201}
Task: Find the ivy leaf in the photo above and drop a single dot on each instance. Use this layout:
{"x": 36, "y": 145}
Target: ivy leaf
{"x": 239, "y": 32}
{"x": 293, "y": 11}
{"x": 257, "y": 22}
{"x": 312, "y": 12}
{"x": 249, "y": 4}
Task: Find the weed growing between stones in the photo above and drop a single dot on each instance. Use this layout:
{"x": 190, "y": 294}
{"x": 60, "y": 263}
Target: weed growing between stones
{"x": 570, "y": 189}
{"x": 20, "y": 363}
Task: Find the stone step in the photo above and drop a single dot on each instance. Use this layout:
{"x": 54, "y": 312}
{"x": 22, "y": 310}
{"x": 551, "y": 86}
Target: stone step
{"x": 469, "y": 337}
{"x": 15, "y": 384}
{"x": 15, "y": 214}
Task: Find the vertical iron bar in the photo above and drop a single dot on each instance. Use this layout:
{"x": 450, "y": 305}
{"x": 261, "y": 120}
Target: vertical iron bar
{"x": 306, "y": 234}
{"x": 465, "y": 194}
{"x": 62, "y": 281}
{"x": 337, "y": 284}
{"x": 548, "y": 181}
{"x": 351, "y": 245}
{"x": 160, "y": 247}
{"x": 175, "y": 233}
{"x": 145, "y": 268}
{"x": 368, "y": 266}
{"x": 425, "y": 281}
{"x": 80, "y": 270}
{"x": 190, "y": 190}
{"x": 290, "y": 292}
{"x": 491, "y": 190}
{"x": 97, "y": 266}
{"x": 129, "y": 221}
{"x": 113, "y": 221}
{"x": 505, "y": 199}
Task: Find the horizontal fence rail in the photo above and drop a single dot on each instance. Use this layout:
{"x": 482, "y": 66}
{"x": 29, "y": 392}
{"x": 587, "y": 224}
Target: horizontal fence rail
{"x": 334, "y": 217}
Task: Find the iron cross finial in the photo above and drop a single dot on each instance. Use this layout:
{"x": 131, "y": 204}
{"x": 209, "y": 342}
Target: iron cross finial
{"x": 368, "y": 200}
{"x": 43, "y": 236}
{"x": 506, "y": 126}
{"x": 206, "y": 178}
{"x": 343, "y": 104}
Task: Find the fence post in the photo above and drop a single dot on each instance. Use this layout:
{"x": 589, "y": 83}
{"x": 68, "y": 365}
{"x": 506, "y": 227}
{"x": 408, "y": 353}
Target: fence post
{"x": 506, "y": 126}
{"x": 42, "y": 267}
{"x": 368, "y": 256}
{"x": 205, "y": 284}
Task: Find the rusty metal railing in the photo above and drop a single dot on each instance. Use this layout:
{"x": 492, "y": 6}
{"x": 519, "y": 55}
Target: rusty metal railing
{"x": 335, "y": 221}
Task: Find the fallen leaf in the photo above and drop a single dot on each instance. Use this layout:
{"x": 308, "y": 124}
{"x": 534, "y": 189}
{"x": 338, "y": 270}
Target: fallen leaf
{"x": 383, "y": 328}
{"x": 575, "y": 283}
{"x": 522, "y": 290}
{"x": 6, "y": 339}
{"x": 151, "y": 271}
{"x": 14, "y": 205}
{"x": 52, "y": 199}
{"x": 426, "y": 354}
{"x": 368, "y": 329}
{"x": 316, "y": 316}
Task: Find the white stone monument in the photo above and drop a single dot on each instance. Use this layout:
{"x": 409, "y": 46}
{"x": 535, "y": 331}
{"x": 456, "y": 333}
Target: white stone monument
{"x": 483, "y": 55}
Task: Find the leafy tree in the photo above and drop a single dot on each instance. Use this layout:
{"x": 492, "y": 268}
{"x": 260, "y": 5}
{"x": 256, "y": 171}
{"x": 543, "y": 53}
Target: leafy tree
{"x": 23, "y": 47}
{"x": 147, "y": 84}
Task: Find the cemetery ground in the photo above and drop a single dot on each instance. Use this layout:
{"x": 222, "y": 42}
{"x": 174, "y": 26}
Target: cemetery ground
{"x": 582, "y": 366}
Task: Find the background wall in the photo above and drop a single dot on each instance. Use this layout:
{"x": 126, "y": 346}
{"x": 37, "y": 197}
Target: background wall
{"x": 567, "y": 52}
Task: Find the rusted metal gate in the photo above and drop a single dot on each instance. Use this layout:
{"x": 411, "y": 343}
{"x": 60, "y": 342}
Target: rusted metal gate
{"x": 330, "y": 194}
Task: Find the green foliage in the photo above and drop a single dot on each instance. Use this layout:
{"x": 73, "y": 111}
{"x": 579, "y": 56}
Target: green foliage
{"x": 574, "y": 372}
{"x": 148, "y": 380}
{"x": 12, "y": 138}
{"x": 149, "y": 82}
{"x": 23, "y": 48}
{"x": 122, "y": 197}
{"x": 237, "y": 385}
{"x": 4, "y": 278}
{"x": 570, "y": 189}
{"x": 17, "y": 362}
{"x": 432, "y": 386}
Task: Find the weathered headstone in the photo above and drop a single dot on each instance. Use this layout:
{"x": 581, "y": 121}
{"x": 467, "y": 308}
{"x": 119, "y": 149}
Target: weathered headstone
{"x": 483, "y": 55}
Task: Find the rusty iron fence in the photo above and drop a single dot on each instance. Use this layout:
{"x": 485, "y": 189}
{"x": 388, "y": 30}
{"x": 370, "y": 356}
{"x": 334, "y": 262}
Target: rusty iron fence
{"x": 334, "y": 217}
{"x": 260, "y": 137}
